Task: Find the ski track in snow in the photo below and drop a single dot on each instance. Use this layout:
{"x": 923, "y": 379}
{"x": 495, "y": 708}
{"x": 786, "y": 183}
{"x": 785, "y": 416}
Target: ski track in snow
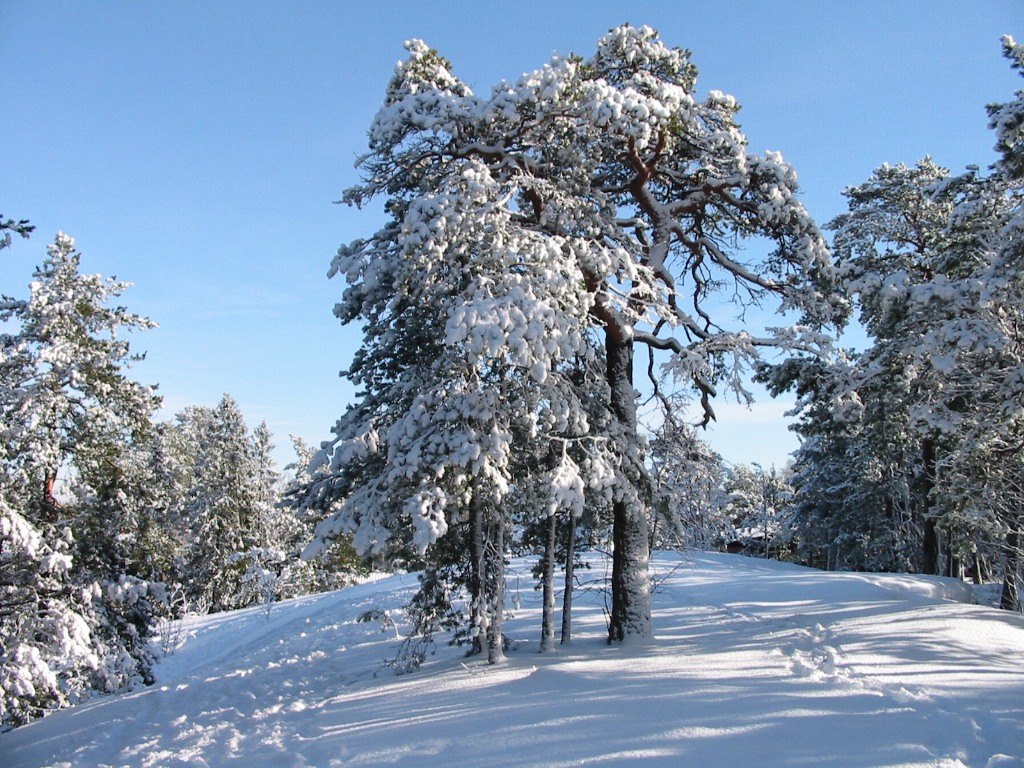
{"x": 756, "y": 664}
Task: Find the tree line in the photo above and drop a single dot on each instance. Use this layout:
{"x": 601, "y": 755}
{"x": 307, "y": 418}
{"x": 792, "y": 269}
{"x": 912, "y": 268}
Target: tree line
{"x": 110, "y": 521}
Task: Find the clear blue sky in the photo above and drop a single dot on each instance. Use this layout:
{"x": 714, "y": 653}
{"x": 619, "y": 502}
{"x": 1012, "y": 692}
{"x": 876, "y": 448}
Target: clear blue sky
{"x": 195, "y": 149}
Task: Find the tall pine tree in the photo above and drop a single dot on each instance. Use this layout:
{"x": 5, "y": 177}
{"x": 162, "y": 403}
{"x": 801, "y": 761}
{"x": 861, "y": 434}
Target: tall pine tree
{"x": 588, "y": 207}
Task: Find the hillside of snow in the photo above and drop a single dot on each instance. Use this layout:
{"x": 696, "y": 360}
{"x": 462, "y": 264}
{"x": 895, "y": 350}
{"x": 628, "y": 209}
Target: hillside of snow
{"x": 756, "y": 664}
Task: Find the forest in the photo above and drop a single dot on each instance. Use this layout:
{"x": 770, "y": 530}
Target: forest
{"x": 569, "y": 262}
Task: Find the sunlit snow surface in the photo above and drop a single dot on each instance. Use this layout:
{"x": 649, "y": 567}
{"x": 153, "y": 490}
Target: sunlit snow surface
{"x": 756, "y": 664}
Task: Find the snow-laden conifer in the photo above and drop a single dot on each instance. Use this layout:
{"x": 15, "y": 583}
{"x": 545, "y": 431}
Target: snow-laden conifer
{"x": 912, "y": 452}
{"x": 689, "y": 482}
{"x": 229, "y": 557}
{"x": 585, "y": 207}
{"x": 72, "y": 618}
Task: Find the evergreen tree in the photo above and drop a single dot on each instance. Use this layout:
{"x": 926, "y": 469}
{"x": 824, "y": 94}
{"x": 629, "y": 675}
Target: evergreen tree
{"x": 896, "y": 257}
{"x": 65, "y": 396}
{"x": 75, "y": 618}
{"x": 273, "y": 570}
{"x": 588, "y": 207}
{"x": 758, "y": 502}
{"x": 47, "y": 650}
{"x": 985, "y": 341}
{"x": 227, "y": 505}
{"x": 912, "y": 452}
{"x": 879, "y": 419}
{"x": 853, "y": 506}
{"x": 338, "y": 562}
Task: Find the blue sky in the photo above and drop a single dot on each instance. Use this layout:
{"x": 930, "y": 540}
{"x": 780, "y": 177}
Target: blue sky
{"x": 195, "y": 149}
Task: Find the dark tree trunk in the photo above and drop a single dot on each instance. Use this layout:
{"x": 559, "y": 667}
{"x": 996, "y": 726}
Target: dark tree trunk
{"x": 630, "y": 619}
{"x": 954, "y": 565}
{"x": 478, "y": 575}
{"x": 487, "y": 581}
{"x": 496, "y": 581}
{"x": 547, "y": 623}
{"x": 570, "y": 582}
{"x": 1010, "y": 598}
{"x": 930, "y": 544}
{"x": 982, "y": 571}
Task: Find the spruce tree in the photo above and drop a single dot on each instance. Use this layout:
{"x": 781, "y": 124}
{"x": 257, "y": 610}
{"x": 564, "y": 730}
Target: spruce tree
{"x": 226, "y": 506}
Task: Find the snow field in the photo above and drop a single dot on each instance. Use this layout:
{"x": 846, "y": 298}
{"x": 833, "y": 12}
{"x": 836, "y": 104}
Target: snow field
{"x": 756, "y": 664}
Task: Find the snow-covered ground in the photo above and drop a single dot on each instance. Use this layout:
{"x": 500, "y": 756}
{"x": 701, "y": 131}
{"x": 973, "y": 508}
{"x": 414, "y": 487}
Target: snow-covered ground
{"x": 756, "y": 664}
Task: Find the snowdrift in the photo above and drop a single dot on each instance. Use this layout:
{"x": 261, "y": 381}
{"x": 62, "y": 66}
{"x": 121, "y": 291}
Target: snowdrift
{"x": 756, "y": 664}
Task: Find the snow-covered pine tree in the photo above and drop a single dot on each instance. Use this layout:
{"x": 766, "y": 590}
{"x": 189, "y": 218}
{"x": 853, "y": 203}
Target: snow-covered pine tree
{"x": 65, "y": 395}
{"x": 896, "y": 259}
{"x": 983, "y": 343}
{"x": 758, "y": 501}
{"x": 227, "y": 506}
{"x": 882, "y": 411}
{"x": 614, "y": 197}
{"x": 853, "y": 505}
{"x": 1007, "y": 383}
{"x": 921, "y": 434}
{"x": 66, "y": 405}
{"x": 47, "y": 651}
{"x": 163, "y": 459}
{"x": 464, "y": 367}
{"x": 273, "y": 570}
{"x": 111, "y": 500}
{"x": 338, "y": 563}
{"x": 879, "y": 423}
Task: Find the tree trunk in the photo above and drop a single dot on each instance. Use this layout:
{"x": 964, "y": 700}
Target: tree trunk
{"x": 547, "y": 623}
{"x": 496, "y": 583}
{"x": 982, "y": 569}
{"x": 50, "y": 511}
{"x": 630, "y": 619}
{"x": 570, "y": 582}
{"x": 954, "y": 565}
{"x": 1010, "y": 598}
{"x": 930, "y": 545}
{"x": 48, "y": 488}
{"x": 478, "y": 577}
